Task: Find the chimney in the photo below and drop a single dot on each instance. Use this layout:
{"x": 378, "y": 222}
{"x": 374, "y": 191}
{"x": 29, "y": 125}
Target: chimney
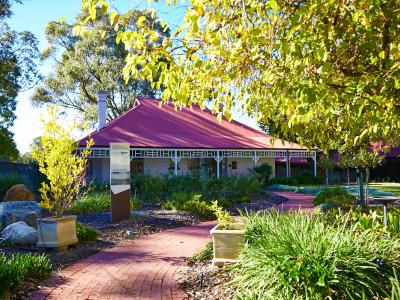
{"x": 101, "y": 109}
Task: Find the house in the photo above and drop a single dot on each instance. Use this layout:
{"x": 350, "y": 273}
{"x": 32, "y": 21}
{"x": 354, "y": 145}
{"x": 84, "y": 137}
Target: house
{"x": 165, "y": 141}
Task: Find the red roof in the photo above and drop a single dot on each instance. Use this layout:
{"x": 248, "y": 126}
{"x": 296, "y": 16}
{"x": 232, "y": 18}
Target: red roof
{"x": 148, "y": 125}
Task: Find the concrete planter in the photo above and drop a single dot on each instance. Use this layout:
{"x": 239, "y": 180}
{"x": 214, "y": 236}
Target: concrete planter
{"x": 227, "y": 243}
{"x": 57, "y": 233}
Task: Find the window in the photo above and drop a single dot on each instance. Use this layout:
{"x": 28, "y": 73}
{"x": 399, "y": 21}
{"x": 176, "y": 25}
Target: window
{"x": 234, "y": 165}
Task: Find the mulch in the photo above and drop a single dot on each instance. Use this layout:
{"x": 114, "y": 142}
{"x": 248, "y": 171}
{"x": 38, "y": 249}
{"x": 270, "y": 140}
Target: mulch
{"x": 149, "y": 219}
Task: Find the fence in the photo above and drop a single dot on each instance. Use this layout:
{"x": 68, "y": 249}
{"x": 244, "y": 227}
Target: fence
{"x": 29, "y": 172}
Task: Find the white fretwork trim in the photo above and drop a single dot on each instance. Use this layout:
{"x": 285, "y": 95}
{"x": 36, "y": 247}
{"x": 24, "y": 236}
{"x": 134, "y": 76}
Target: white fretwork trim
{"x": 202, "y": 153}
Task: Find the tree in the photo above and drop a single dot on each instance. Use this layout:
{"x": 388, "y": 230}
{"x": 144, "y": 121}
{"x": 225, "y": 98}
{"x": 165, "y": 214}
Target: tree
{"x": 328, "y": 73}
{"x": 361, "y": 158}
{"x": 92, "y": 62}
{"x": 18, "y": 70}
{"x": 59, "y": 162}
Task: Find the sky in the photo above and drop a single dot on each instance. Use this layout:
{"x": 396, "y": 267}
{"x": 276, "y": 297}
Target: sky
{"x": 33, "y": 15}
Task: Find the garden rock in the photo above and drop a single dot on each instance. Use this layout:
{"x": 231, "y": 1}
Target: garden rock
{"x": 28, "y": 216}
{"x": 19, "y": 192}
{"x": 19, "y": 233}
{"x": 7, "y": 208}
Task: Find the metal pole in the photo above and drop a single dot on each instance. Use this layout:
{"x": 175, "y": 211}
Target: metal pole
{"x": 385, "y": 214}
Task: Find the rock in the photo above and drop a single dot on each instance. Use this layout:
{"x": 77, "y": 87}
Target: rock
{"x": 19, "y": 192}
{"x": 19, "y": 233}
{"x": 7, "y": 208}
{"x": 28, "y": 216}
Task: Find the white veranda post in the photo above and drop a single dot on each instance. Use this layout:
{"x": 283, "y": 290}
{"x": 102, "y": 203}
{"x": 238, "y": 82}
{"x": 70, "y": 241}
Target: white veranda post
{"x": 287, "y": 163}
{"x": 255, "y": 158}
{"x": 218, "y": 159}
{"x": 176, "y": 160}
{"x": 315, "y": 163}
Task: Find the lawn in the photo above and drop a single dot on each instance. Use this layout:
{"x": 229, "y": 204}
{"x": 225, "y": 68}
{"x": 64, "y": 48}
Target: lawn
{"x": 391, "y": 187}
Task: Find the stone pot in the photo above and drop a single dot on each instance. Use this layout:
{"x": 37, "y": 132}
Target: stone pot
{"x": 227, "y": 243}
{"x": 57, "y": 233}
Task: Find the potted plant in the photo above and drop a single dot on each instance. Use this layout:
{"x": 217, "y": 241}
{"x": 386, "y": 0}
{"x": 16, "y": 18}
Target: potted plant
{"x": 228, "y": 237}
{"x": 64, "y": 168}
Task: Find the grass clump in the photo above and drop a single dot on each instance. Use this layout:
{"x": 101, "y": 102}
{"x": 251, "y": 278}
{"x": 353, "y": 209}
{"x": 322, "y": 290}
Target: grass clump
{"x": 335, "y": 196}
{"x": 204, "y": 255}
{"x": 19, "y": 268}
{"x": 297, "y": 256}
{"x": 86, "y": 234}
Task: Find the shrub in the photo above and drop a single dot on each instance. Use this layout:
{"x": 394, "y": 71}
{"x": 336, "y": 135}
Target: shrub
{"x": 263, "y": 172}
{"x": 18, "y": 268}
{"x": 95, "y": 201}
{"x": 98, "y": 201}
{"x": 160, "y": 189}
{"x": 335, "y": 196}
{"x": 297, "y": 256}
{"x": 8, "y": 181}
{"x": 86, "y": 233}
{"x": 151, "y": 189}
{"x": 198, "y": 207}
{"x": 189, "y": 202}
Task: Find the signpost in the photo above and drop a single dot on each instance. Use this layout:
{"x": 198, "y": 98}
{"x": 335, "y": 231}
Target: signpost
{"x": 120, "y": 179}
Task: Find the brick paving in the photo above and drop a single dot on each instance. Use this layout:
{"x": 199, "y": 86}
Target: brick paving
{"x": 145, "y": 268}
{"x": 295, "y": 201}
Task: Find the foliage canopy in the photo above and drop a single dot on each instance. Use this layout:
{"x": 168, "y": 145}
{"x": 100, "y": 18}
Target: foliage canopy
{"x": 89, "y": 63}
{"x": 326, "y": 73}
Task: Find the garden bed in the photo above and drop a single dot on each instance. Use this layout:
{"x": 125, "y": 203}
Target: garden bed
{"x": 204, "y": 281}
{"x": 149, "y": 219}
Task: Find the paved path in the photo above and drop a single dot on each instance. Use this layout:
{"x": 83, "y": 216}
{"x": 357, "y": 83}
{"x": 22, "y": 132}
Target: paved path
{"x": 144, "y": 268}
{"x": 295, "y": 201}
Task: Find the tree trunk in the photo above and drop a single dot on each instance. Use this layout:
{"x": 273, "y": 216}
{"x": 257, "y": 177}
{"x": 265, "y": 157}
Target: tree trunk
{"x": 366, "y": 186}
{"x": 326, "y": 177}
{"x": 348, "y": 177}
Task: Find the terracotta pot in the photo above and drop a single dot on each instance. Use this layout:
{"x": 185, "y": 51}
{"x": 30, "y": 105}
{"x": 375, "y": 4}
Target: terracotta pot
{"x": 57, "y": 232}
{"x": 227, "y": 243}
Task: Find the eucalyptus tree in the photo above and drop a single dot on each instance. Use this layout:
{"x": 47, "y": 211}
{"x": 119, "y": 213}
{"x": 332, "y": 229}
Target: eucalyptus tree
{"x": 19, "y": 56}
{"x": 86, "y": 64}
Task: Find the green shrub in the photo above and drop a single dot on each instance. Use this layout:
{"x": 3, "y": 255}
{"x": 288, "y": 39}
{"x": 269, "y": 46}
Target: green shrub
{"x": 161, "y": 189}
{"x": 263, "y": 172}
{"x": 98, "y": 200}
{"x": 199, "y": 208}
{"x": 151, "y": 189}
{"x": 8, "y": 181}
{"x": 297, "y": 256}
{"x": 15, "y": 270}
{"x": 86, "y": 233}
{"x": 335, "y": 196}
{"x": 95, "y": 201}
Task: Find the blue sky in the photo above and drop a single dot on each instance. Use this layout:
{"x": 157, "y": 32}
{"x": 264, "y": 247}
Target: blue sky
{"x": 33, "y": 15}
